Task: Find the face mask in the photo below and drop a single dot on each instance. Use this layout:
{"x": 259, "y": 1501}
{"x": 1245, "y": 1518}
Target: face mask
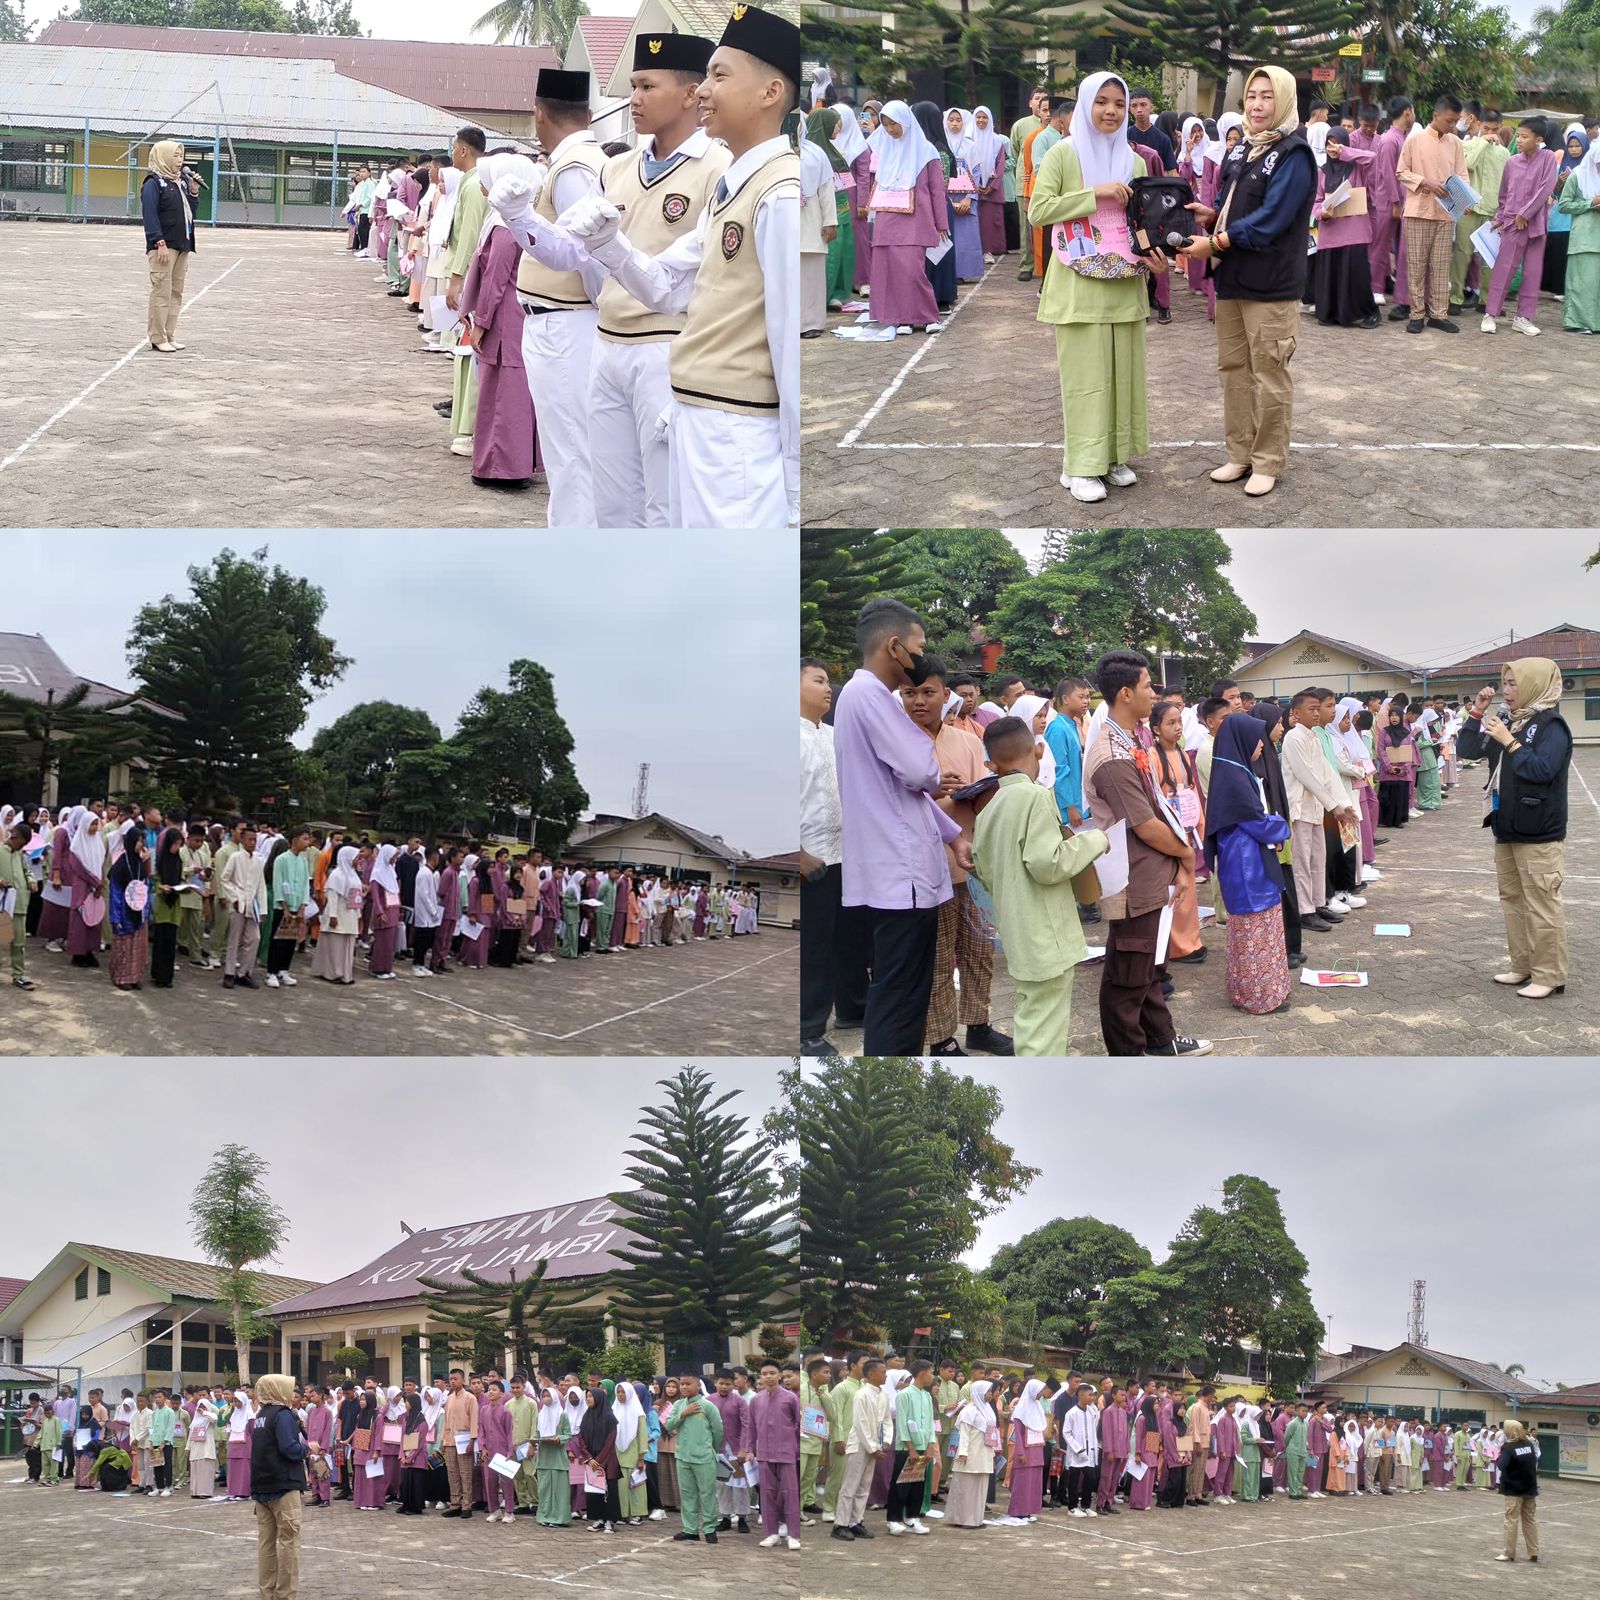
{"x": 918, "y": 670}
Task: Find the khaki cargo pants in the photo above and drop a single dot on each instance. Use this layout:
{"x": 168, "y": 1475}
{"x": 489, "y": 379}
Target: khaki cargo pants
{"x": 1255, "y": 344}
{"x": 1522, "y": 1508}
{"x": 168, "y": 269}
{"x": 1530, "y": 896}
{"x": 278, "y": 1546}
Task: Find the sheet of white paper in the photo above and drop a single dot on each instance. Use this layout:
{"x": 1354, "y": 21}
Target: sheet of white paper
{"x": 440, "y": 315}
{"x": 873, "y": 335}
{"x": 1206, "y": 911}
{"x": 1095, "y": 952}
{"x": 312, "y": 909}
{"x": 1333, "y": 201}
{"x": 506, "y": 1469}
{"x": 1163, "y": 933}
{"x": 1137, "y": 1469}
{"x": 1487, "y": 243}
{"x": 1112, "y": 867}
{"x": 57, "y": 1455}
{"x": 374, "y": 1468}
{"x": 937, "y": 252}
{"x": 80, "y": 1439}
{"x": 463, "y": 1443}
{"x": 1393, "y": 930}
{"x": 637, "y": 1476}
{"x": 395, "y": 208}
{"x": 1332, "y": 980}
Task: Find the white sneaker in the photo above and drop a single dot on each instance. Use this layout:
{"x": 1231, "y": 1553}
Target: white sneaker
{"x": 1122, "y": 476}
{"x": 794, "y": 1544}
{"x": 770, "y": 1540}
{"x": 1413, "y": 813}
{"x": 896, "y": 1529}
{"x": 1522, "y": 325}
{"x": 1087, "y": 490}
{"x": 383, "y": 975}
{"x": 1370, "y": 875}
{"x": 1089, "y": 1511}
{"x": 166, "y": 1494}
{"x": 494, "y": 1516}
{"x": 905, "y": 327}
{"x": 420, "y": 972}
{"x": 1354, "y": 901}
{"x": 55, "y": 947}
{"x": 937, "y": 1514}
{"x": 915, "y": 1526}
{"x": 287, "y": 981}
{"x": 658, "y": 1515}
{"x": 1487, "y": 325}
{"x": 932, "y": 327}
{"x": 988, "y": 260}
{"x": 461, "y": 445}
{"x": 1380, "y": 299}
{"x": 1076, "y": 1511}
{"x": 272, "y": 980}
{"x": 548, "y": 960}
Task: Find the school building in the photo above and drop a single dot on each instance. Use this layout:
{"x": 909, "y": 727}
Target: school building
{"x": 655, "y": 844}
{"x": 1576, "y": 651}
{"x": 130, "y": 1320}
{"x": 1314, "y": 660}
{"x": 1412, "y": 1381}
{"x": 379, "y": 1309}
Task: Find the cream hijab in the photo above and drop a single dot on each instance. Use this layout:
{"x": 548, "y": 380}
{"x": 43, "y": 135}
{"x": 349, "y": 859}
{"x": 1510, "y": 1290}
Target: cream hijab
{"x": 1538, "y": 688}
{"x": 1286, "y": 119}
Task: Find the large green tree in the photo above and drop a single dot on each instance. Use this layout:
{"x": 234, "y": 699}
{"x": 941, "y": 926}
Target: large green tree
{"x": 1218, "y": 37}
{"x": 239, "y": 658}
{"x": 869, "y": 1209}
{"x": 482, "y": 1318}
{"x": 1430, "y": 47}
{"x": 840, "y": 570}
{"x": 361, "y": 749}
{"x": 532, "y": 21}
{"x": 14, "y": 27}
{"x": 712, "y": 1254}
{"x": 1565, "y": 46}
{"x": 1143, "y": 1325}
{"x": 953, "y": 577}
{"x": 424, "y": 789}
{"x": 514, "y": 750}
{"x": 1243, "y": 1282}
{"x": 1066, "y": 1269}
{"x": 237, "y": 1224}
{"x": 1159, "y": 590}
{"x": 254, "y": 16}
{"x": 68, "y": 729}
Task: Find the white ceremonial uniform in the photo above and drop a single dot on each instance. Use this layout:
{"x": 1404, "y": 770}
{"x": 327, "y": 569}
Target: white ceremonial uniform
{"x": 729, "y": 469}
{"x": 630, "y": 390}
{"x": 557, "y": 347}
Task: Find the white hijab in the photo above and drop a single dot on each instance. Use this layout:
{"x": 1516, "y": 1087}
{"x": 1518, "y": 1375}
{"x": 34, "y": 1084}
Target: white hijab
{"x": 847, "y": 138}
{"x": 444, "y": 212}
{"x": 625, "y": 1407}
{"x": 491, "y": 169}
{"x": 89, "y": 847}
{"x": 397, "y": 1406}
{"x": 900, "y": 161}
{"x": 549, "y": 1419}
{"x": 1103, "y": 157}
{"x": 1317, "y": 138}
{"x": 383, "y": 869}
{"x": 344, "y": 880}
{"x": 986, "y": 146}
{"x": 1587, "y": 172}
{"x": 1027, "y": 1410}
{"x": 576, "y": 1406}
{"x": 1350, "y": 738}
{"x": 977, "y": 1412}
{"x": 960, "y": 143}
{"x": 1197, "y": 157}
{"x": 1219, "y": 147}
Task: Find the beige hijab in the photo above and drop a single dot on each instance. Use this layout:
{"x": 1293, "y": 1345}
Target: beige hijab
{"x": 274, "y": 1389}
{"x": 1285, "y": 120}
{"x": 166, "y": 161}
{"x": 1538, "y": 688}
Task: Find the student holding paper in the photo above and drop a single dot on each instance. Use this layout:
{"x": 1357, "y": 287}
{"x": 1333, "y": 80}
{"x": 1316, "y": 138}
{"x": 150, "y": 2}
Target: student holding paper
{"x": 1486, "y": 161}
{"x": 1522, "y": 223}
{"x": 1431, "y": 156}
{"x": 459, "y": 1435}
{"x": 1341, "y": 274}
{"x": 1580, "y": 200}
{"x": 910, "y": 213}
{"x": 597, "y": 1451}
{"x": 775, "y": 1431}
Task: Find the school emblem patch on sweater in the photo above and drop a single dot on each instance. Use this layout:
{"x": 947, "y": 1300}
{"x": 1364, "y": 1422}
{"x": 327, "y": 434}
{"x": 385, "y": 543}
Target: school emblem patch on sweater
{"x": 675, "y": 207}
{"x": 732, "y": 238}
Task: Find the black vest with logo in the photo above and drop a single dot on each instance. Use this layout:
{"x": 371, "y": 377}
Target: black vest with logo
{"x": 271, "y": 1472}
{"x": 1532, "y": 813}
{"x": 1276, "y": 271}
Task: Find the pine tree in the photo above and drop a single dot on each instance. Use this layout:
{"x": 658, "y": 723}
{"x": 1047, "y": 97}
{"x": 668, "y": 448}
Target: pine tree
{"x": 840, "y": 570}
{"x": 1217, "y": 37}
{"x": 66, "y": 728}
{"x": 483, "y": 1317}
{"x": 709, "y": 1260}
{"x": 870, "y": 1240}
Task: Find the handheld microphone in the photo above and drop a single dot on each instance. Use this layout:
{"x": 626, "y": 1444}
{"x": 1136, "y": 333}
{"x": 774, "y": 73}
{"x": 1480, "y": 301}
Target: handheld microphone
{"x": 1179, "y": 241}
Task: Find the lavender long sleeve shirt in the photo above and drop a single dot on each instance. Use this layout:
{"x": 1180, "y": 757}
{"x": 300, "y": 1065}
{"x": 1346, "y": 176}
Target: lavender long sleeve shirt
{"x": 893, "y": 833}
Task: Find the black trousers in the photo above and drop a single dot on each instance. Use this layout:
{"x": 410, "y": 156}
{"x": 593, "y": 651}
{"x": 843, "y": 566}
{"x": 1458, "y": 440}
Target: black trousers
{"x": 163, "y": 953}
{"x": 280, "y": 952}
{"x": 413, "y": 1490}
{"x": 34, "y": 1456}
{"x": 1173, "y": 1490}
{"x": 1266, "y": 1481}
{"x": 35, "y": 911}
{"x": 1081, "y": 1485}
{"x": 422, "y": 944}
{"x": 833, "y": 955}
{"x": 603, "y": 1507}
{"x": 363, "y": 232}
{"x": 1133, "y": 1015}
{"x": 1291, "y": 914}
{"x": 903, "y": 947}
{"x": 905, "y": 1499}
{"x": 163, "y": 1466}
{"x": 1340, "y": 874}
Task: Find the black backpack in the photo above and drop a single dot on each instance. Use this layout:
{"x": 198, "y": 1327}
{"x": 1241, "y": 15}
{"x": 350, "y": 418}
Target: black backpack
{"x": 1156, "y": 209}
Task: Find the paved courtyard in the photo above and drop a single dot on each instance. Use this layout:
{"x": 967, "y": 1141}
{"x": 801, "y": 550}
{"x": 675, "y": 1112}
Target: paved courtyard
{"x": 723, "y": 997}
{"x": 72, "y": 1546}
{"x": 1391, "y": 431}
{"x": 1429, "y": 994}
{"x": 301, "y": 400}
{"x": 1422, "y": 1547}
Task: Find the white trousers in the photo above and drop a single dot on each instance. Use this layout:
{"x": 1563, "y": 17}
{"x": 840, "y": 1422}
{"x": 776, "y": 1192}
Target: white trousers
{"x": 555, "y": 350}
{"x": 727, "y": 470}
{"x": 628, "y": 390}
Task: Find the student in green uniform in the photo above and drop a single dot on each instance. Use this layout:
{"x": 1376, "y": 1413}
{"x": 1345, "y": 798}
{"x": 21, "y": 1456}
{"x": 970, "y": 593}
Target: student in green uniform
{"x": 813, "y": 1392}
{"x": 697, "y": 1426}
{"x": 49, "y": 1445}
{"x": 1295, "y": 1453}
{"x": 553, "y": 1489}
{"x": 1463, "y": 1444}
{"x": 1249, "y": 1453}
{"x": 633, "y": 1435}
{"x": 842, "y": 1403}
{"x": 524, "y": 1414}
{"x": 16, "y": 887}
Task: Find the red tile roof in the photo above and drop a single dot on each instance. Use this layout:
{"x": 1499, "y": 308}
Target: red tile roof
{"x": 10, "y": 1288}
{"x": 1572, "y": 649}
{"x": 789, "y": 862}
{"x": 603, "y": 38}
{"x": 478, "y": 77}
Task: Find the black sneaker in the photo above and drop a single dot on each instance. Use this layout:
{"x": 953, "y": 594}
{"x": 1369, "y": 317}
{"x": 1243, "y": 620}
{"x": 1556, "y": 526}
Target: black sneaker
{"x": 1370, "y": 321}
{"x": 1181, "y": 1046}
{"x": 1163, "y": 315}
{"x": 981, "y": 1036}
{"x": 818, "y": 1047}
{"x": 1316, "y": 924}
{"x": 725, "y": 1525}
{"x": 843, "y": 1534}
{"x": 1297, "y": 958}
{"x": 228, "y": 983}
{"x": 1415, "y": 325}
{"x": 744, "y": 1527}
{"x": 1088, "y": 914}
{"x": 686, "y": 1538}
{"x": 945, "y": 1047}
{"x": 452, "y": 1512}
{"x": 859, "y": 1530}
{"x": 1443, "y": 324}
{"x": 711, "y": 1538}
{"x": 1456, "y": 310}
{"x": 1026, "y": 274}
{"x": 1399, "y": 313}
{"x": 1192, "y": 960}
{"x": 1331, "y": 914}
{"x": 247, "y": 982}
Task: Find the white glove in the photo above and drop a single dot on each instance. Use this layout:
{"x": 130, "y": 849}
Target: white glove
{"x": 512, "y": 196}
{"x": 592, "y": 219}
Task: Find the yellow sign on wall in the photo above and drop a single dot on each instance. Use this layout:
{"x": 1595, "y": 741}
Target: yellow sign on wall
{"x": 1352, "y": 49}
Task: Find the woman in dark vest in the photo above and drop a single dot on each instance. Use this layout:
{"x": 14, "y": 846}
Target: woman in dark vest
{"x": 168, "y": 239}
{"x": 1260, "y": 231}
{"x": 278, "y": 1452}
{"x": 1526, "y": 806}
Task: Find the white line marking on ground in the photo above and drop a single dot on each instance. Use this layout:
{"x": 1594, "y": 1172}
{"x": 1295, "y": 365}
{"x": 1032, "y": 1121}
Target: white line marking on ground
{"x": 905, "y": 372}
{"x": 110, "y": 372}
{"x": 1587, "y": 790}
{"x": 851, "y": 440}
{"x": 604, "y": 1022}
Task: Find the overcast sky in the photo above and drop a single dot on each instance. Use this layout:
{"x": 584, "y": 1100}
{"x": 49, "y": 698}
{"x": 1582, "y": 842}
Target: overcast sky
{"x": 631, "y": 689}
{"x": 1431, "y": 598}
{"x": 302, "y": 1124}
{"x": 1498, "y": 1203}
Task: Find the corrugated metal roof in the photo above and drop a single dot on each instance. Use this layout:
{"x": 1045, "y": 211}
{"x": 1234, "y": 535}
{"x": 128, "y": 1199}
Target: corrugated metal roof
{"x": 485, "y": 77}
{"x": 1573, "y": 649}
{"x": 253, "y": 97}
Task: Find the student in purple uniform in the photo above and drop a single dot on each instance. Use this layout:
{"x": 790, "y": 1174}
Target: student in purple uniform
{"x": 774, "y": 1422}
{"x": 1341, "y": 272}
{"x": 909, "y": 176}
{"x": 1522, "y": 224}
{"x": 383, "y": 890}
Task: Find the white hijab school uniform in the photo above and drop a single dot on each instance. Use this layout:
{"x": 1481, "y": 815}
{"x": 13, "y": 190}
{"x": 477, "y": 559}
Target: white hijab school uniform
{"x": 900, "y": 158}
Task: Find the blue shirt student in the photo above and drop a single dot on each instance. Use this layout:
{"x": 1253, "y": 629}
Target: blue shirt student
{"x": 1061, "y": 736}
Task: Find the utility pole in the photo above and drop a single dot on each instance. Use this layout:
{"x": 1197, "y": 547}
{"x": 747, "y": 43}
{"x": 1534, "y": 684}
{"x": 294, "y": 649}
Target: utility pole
{"x": 641, "y": 791}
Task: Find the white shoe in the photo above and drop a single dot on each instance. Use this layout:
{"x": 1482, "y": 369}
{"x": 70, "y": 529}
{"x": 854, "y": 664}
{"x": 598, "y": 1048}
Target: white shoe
{"x": 55, "y": 947}
{"x": 915, "y": 1526}
{"x": 1487, "y": 325}
{"x": 827, "y": 1516}
{"x": 1522, "y": 325}
{"x": 936, "y": 1514}
{"x": 461, "y": 445}
{"x": 988, "y": 260}
{"x": 770, "y": 1540}
{"x": 166, "y": 1494}
{"x": 287, "y": 981}
{"x": 272, "y": 980}
{"x": 1370, "y": 875}
{"x": 1380, "y": 300}
{"x": 932, "y": 327}
{"x": 383, "y": 975}
{"x": 658, "y": 1515}
{"x": 494, "y": 1516}
{"x": 1076, "y": 1511}
{"x": 896, "y": 1529}
{"x": 548, "y": 960}
{"x": 1087, "y": 490}
{"x": 1122, "y": 476}
{"x": 794, "y": 1544}
{"x": 905, "y": 327}
{"x": 172, "y": 344}
{"x": 1354, "y": 901}
{"x": 1089, "y": 1511}
{"x": 420, "y": 972}
{"x": 1413, "y": 814}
